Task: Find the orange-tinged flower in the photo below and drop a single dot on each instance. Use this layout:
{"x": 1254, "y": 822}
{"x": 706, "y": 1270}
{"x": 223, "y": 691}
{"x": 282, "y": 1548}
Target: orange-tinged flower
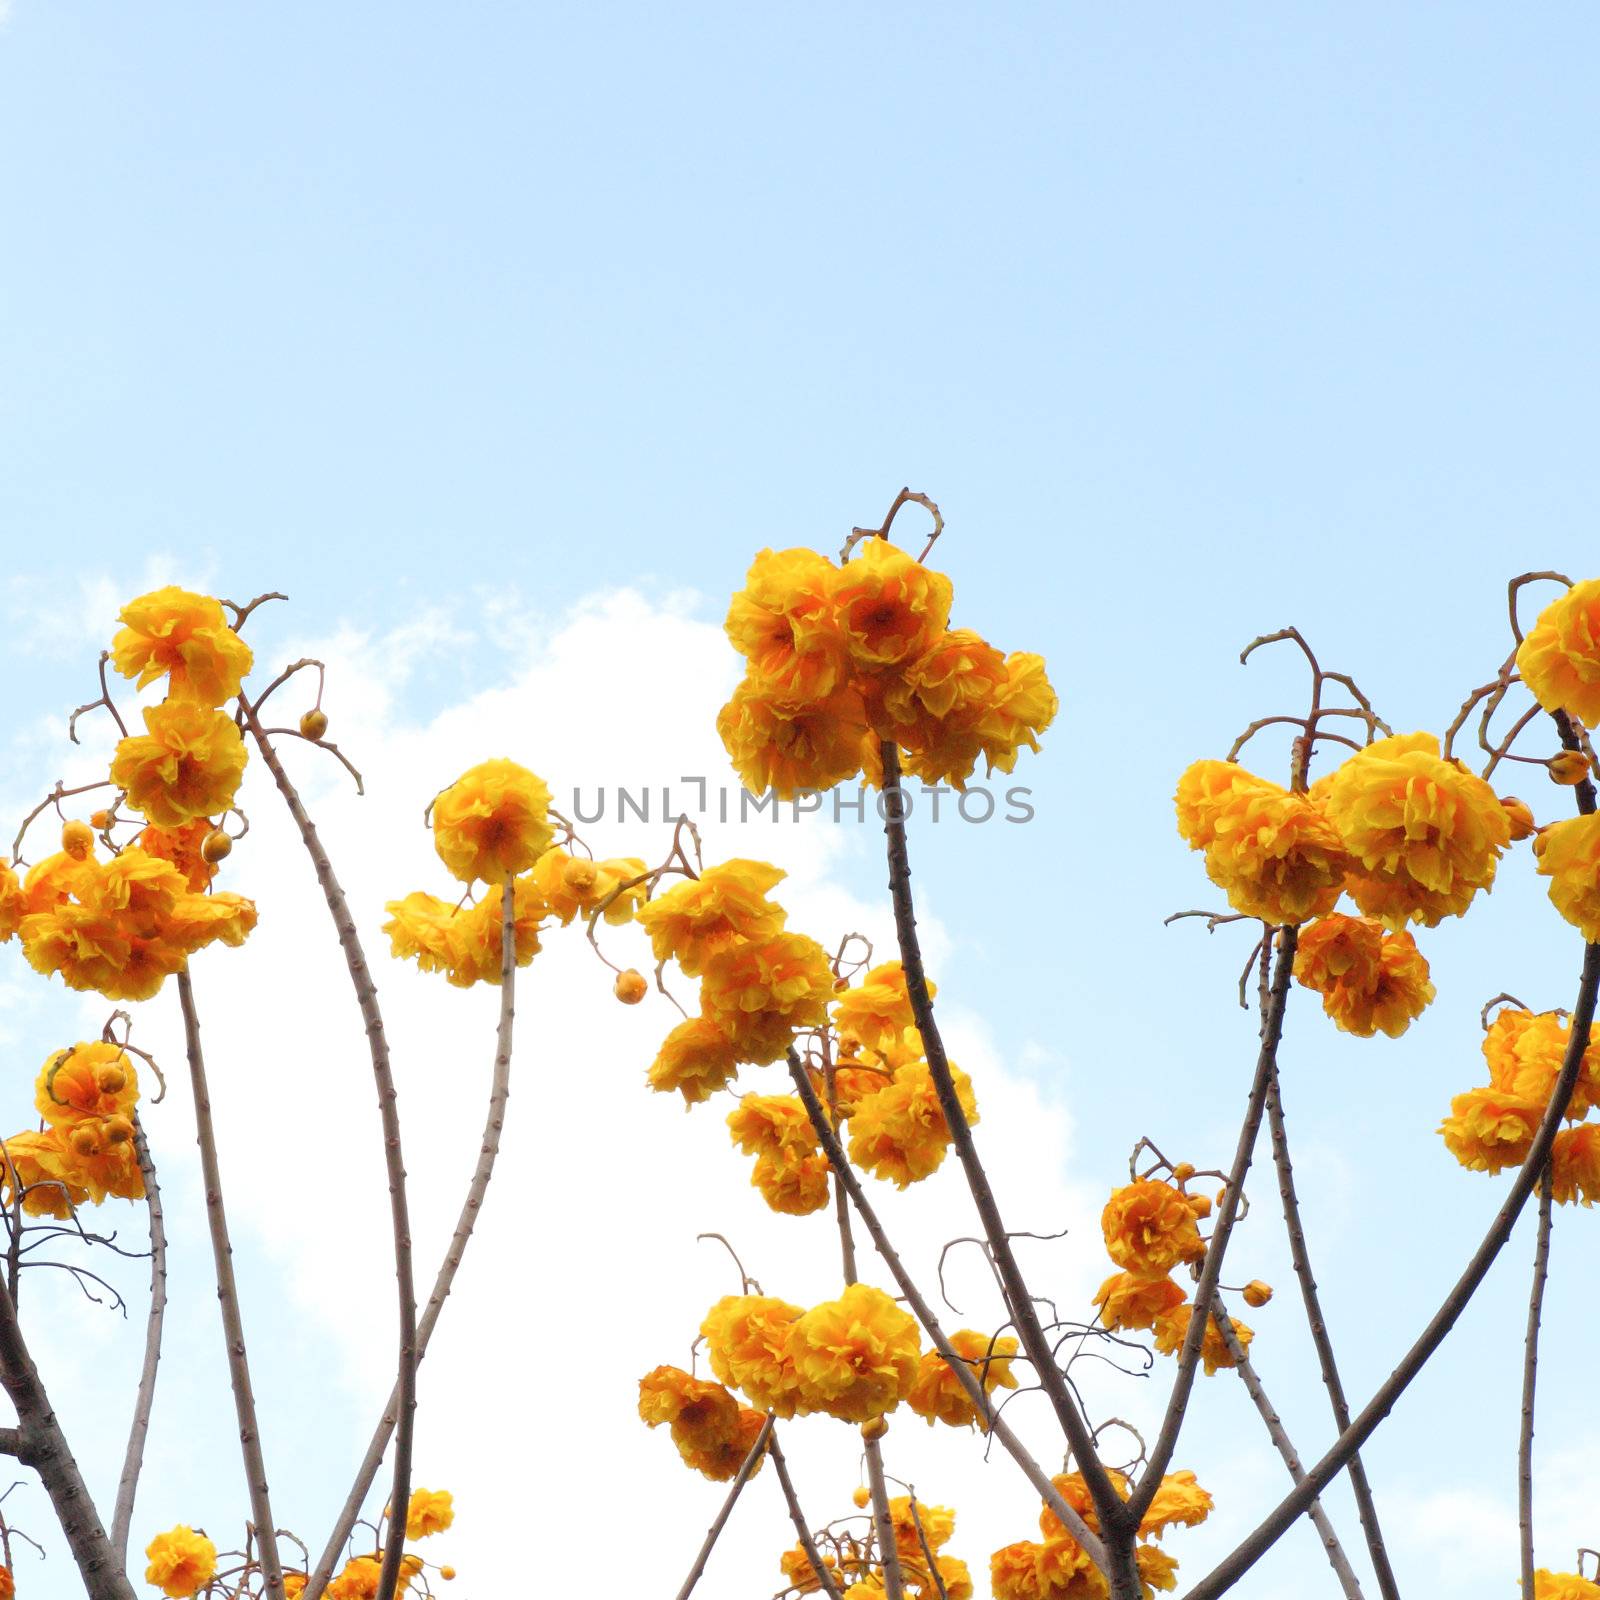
{"x": 876, "y": 1015}
{"x": 1172, "y": 1328}
{"x": 1014, "y": 1572}
{"x": 800, "y": 1575}
{"x": 1568, "y": 855}
{"x": 1568, "y": 767}
{"x": 187, "y": 637}
{"x": 88, "y": 1080}
{"x": 1425, "y": 833}
{"x": 1072, "y": 1488}
{"x": 429, "y": 1511}
{"x": 1370, "y": 980}
{"x": 1548, "y": 1585}
{"x": 465, "y": 942}
{"x": 760, "y": 993}
{"x": 182, "y": 1562}
{"x": 1149, "y": 1228}
{"x": 856, "y": 1356}
{"x": 1489, "y": 1129}
{"x": 360, "y": 1576}
{"x": 747, "y": 1342}
{"x": 712, "y": 1431}
{"x": 787, "y": 749}
{"x": 900, "y": 1133}
{"x": 187, "y": 764}
{"x": 771, "y": 1124}
{"x": 697, "y": 1058}
{"x": 294, "y": 1585}
{"x": 36, "y": 1166}
{"x": 570, "y": 885}
{"x": 1560, "y": 658}
{"x": 1132, "y": 1301}
{"x": 784, "y": 624}
{"x": 1157, "y": 1569}
{"x": 701, "y": 917}
{"x": 8, "y": 1584}
{"x": 1024, "y": 710}
{"x": 1575, "y": 1165}
{"x": 937, "y": 1395}
{"x": 890, "y": 607}
{"x": 1179, "y": 1501}
{"x": 913, "y": 1525}
{"x": 1525, "y": 1051}
{"x": 181, "y": 846}
{"x": 12, "y": 902}
{"x": 1208, "y": 789}
{"x": 492, "y": 822}
{"x": 793, "y": 1183}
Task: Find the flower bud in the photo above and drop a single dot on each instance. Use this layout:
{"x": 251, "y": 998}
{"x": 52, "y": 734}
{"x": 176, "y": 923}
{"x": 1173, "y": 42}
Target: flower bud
{"x": 77, "y": 839}
{"x": 447, "y": 1573}
{"x": 1257, "y": 1293}
{"x": 860, "y": 1497}
{"x": 874, "y": 1428}
{"x": 1569, "y": 767}
{"x": 1519, "y": 814}
{"x": 84, "y": 1141}
{"x": 630, "y": 987}
{"x": 118, "y": 1130}
{"x": 314, "y": 723}
{"x": 1183, "y": 1172}
{"x": 1200, "y": 1204}
{"x": 100, "y": 820}
{"x": 215, "y": 846}
{"x": 580, "y": 875}
{"x": 110, "y": 1079}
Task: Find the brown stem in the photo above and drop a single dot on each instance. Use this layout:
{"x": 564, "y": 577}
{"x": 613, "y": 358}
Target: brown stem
{"x": 1337, "y": 1559}
{"x": 244, "y": 1400}
{"x": 802, "y": 1529}
{"x": 924, "y": 1313}
{"x": 1366, "y": 1506}
{"x": 444, "y": 1280}
{"x": 1019, "y": 1302}
{"x": 1530, "y": 1373}
{"x": 133, "y": 1462}
{"x": 41, "y": 1445}
{"x": 1227, "y": 1214}
{"x": 1272, "y": 1527}
{"x": 714, "y": 1532}
{"x": 400, "y": 1223}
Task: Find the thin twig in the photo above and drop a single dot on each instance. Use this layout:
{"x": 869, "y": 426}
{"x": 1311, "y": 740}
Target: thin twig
{"x": 714, "y": 1532}
{"x": 1530, "y": 1373}
{"x": 133, "y": 1462}
{"x": 802, "y": 1529}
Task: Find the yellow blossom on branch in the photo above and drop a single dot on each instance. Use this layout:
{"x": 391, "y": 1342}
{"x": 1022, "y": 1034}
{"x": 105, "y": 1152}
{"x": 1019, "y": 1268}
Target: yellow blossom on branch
{"x": 1560, "y": 658}
{"x": 937, "y": 1394}
{"x": 182, "y": 1562}
{"x": 429, "y": 1511}
{"x": 1370, "y": 980}
{"x": 899, "y": 1133}
{"x": 1489, "y": 1129}
{"x": 93, "y": 1080}
{"x": 1149, "y": 1228}
{"x": 726, "y": 905}
{"x": 187, "y": 764}
{"x": 186, "y": 637}
{"x": 759, "y": 994}
{"x": 492, "y": 822}
{"x": 1172, "y": 1328}
{"x": 857, "y": 1356}
{"x": 696, "y": 1059}
{"x": 784, "y": 623}
{"x": 748, "y": 1342}
{"x": 1130, "y": 1300}
{"x": 1575, "y": 1166}
{"x": 1569, "y": 856}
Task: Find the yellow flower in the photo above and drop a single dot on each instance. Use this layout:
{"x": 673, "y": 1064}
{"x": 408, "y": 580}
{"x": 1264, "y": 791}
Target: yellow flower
{"x": 900, "y": 1133}
{"x": 1014, "y": 1573}
{"x": 767, "y": 1124}
{"x": 760, "y": 994}
{"x": 12, "y": 902}
{"x": 786, "y": 749}
{"x": 697, "y": 1058}
{"x": 1549, "y": 1585}
{"x": 876, "y": 1014}
{"x": 712, "y": 1431}
{"x": 1525, "y": 1051}
{"x": 187, "y": 764}
{"x": 181, "y": 846}
{"x": 89, "y": 1080}
{"x": 1575, "y": 1166}
{"x": 793, "y": 1183}
{"x": 1179, "y": 1501}
{"x": 1519, "y": 814}
{"x": 1568, "y": 767}
{"x": 937, "y": 1395}
{"x": 1172, "y": 1328}
{"x": 1131, "y": 1300}
{"x": 359, "y": 1578}
{"x": 1370, "y": 980}
{"x": 1488, "y": 1129}
{"x": 1274, "y": 854}
{"x": 1560, "y": 658}
{"x": 1149, "y": 1228}
{"x": 429, "y": 1511}
{"x": 748, "y": 1344}
{"x": 35, "y": 1167}
{"x": 185, "y": 636}
{"x": 784, "y": 624}
{"x": 571, "y": 884}
{"x": 890, "y": 607}
{"x": 856, "y": 1356}
{"x": 1425, "y": 833}
{"x": 294, "y": 1585}
{"x": 701, "y": 917}
{"x": 801, "y": 1576}
{"x": 1569, "y": 856}
{"x": 1156, "y": 1568}
{"x": 492, "y": 822}
{"x": 937, "y": 1523}
{"x": 182, "y": 1562}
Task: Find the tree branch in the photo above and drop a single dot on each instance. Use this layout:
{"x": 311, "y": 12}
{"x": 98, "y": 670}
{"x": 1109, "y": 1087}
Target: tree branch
{"x": 780, "y": 1465}
{"x": 714, "y": 1532}
{"x": 1530, "y": 1373}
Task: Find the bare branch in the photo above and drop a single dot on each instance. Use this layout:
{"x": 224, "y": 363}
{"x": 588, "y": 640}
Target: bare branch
{"x": 714, "y": 1532}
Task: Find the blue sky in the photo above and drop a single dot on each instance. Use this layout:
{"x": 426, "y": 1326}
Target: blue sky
{"x": 1195, "y": 323}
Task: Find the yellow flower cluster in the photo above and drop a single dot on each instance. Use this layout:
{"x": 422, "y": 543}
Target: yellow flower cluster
{"x": 854, "y": 1358}
{"x": 759, "y": 986}
{"x": 854, "y": 1565}
{"x": 712, "y": 1431}
{"x": 492, "y": 825}
{"x": 841, "y": 658}
{"x": 1059, "y": 1568}
{"x": 1560, "y": 658}
{"x": 937, "y": 1395}
{"x": 1410, "y": 837}
{"x": 182, "y": 1562}
{"x": 1150, "y": 1228}
{"x": 1370, "y": 979}
{"x": 1493, "y": 1127}
{"x": 1568, "y": 854}
{"x": 1548, "y": 1585}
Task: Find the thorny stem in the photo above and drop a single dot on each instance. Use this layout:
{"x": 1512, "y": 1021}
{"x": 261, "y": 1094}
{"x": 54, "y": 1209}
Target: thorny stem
{"x": 1272, "y": 1527}
{"x": 714, "y": 1532}
{"x": 1337, "y": 1559}
{"x": 1530, "y": 1373}
{"x": 1227, "y": 1213}
{"x": 244, "y": 1400}
{"x": 798, "y": 1517}
{"x": 993, "y": 1422}
{"x": 489, "y": 1150}
{"x": 1366, "y": 1507}
{"x": 128, "y": 1485}
{"x": 1024, "y": 1314}
{"x": 400, "y": 1223}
